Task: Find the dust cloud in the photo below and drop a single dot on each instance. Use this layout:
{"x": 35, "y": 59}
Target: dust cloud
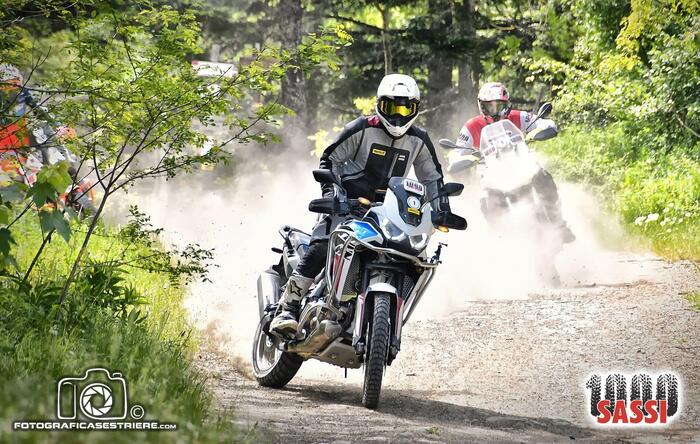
{"x": 484, "y": 264}
{"x": 240, "y": 220}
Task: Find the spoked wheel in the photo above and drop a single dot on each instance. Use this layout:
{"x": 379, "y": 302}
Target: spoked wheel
{"x": 271, "y": 366}
{"x": 377, "y": 350}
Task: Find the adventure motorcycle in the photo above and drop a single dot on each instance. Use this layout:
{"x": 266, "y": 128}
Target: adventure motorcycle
{"x": 507, "y": 169}
{"x": 376, "y": 272}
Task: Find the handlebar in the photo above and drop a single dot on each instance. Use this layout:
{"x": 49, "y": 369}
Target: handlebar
{"x": 331, "y": 205}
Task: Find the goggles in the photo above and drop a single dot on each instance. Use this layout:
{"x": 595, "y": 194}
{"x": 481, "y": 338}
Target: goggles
{"x": 494, "y": 107}
{"x": 398, "y": 107}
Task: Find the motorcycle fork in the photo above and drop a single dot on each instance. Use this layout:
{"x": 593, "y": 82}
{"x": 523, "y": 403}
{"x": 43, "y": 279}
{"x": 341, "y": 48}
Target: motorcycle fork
{"x": 384, "y": 278}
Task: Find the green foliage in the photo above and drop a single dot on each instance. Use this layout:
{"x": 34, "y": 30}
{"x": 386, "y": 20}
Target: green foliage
{"x": 657, "y": 195}
{"x": 694, "y": 299}
{"x": 644, "y": 77}
{"x": 121, "y": 74}
{"x": 181, "y": 266}
{"x": 132, "y": 322}
{"x": 365, "y": 105}
{"x": 593, "y": 157}
{"x": 321, "y": 141}
{"x": 630, "y": 89}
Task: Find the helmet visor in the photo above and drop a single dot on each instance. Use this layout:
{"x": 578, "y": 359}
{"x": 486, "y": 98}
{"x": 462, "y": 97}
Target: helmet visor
{"x": 398, "y": 107}
{"x": 494, "y": 107}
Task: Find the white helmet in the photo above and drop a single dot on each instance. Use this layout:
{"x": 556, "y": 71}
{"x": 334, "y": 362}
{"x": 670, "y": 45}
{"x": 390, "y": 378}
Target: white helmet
{"x": 397, "y": 103}
{"x": 9, "y": 72}
{"x": 494, "y": 100}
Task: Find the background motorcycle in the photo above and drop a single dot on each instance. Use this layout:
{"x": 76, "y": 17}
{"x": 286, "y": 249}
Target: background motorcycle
{"x": 376, "y": 271}
{"x": 507, "y": 169}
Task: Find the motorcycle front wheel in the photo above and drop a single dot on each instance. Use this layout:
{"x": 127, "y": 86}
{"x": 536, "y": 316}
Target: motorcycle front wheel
{"x": 377, "y": 350}
{"x": 271, "y": 366}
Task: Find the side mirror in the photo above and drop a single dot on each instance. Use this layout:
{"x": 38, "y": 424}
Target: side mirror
{"x": 545, "y": 110}
{"x": 447, "y": 144}
{"x": 453, "y": 189}
{"x": 325, "y": 176}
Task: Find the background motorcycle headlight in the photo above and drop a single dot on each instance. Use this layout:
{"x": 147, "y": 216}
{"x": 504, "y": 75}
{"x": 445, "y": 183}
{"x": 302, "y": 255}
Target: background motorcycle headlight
{"x": 419, "y": 241}
{"x": 391, "y": 231}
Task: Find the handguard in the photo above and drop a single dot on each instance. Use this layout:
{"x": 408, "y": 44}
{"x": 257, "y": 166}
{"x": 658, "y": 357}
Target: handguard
{"x": 542, "y": 134}
{"x": 324, "y": 205}
{"x": 449, "y": 219}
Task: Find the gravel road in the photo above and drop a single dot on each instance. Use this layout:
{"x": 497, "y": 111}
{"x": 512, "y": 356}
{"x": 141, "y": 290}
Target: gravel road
{"x": 496, "y": 371}
{"x": 489, "y": 355}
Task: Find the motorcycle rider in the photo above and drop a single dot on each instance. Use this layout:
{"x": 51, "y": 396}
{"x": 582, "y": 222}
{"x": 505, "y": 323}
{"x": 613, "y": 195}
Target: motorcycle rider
{"x": 368, "y": 152}
{"x": 25, "y": 133}
{"x": 494, "y": 105}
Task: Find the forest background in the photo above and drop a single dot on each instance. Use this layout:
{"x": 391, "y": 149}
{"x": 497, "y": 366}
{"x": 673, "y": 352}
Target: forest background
{"x": 623, "y": 77}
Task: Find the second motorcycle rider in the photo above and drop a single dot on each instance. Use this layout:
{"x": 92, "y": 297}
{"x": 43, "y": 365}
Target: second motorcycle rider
{"x": 494, "y": 105}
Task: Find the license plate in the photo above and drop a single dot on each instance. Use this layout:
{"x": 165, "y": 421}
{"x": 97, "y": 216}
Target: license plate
{"x": 413, "y": 186}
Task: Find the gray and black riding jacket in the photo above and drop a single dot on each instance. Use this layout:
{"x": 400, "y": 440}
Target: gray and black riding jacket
{"x": 365, "y": 156}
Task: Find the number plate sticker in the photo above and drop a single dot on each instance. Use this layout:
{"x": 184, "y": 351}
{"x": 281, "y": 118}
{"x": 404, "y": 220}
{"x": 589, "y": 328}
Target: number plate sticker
{"x": 413, "y": 186}
{"x": 414, "y": 211}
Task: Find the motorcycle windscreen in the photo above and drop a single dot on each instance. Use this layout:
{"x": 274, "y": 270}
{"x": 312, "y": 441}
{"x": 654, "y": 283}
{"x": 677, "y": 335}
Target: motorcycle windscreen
{"x": 500, "y": 138}
{"x": 410, "y": 197}
{"x": 509, "y": 165}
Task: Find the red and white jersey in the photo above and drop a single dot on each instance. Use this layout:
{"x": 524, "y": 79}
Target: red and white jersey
{"x": 470, "y": 135}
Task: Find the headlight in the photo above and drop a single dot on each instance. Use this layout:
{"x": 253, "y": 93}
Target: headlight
{"x": 391, "y": 231}
{"x": 419, "y": 241}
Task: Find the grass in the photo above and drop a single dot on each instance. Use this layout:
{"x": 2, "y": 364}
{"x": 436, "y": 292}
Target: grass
{"x": 655, "y": 194}
{"x": 694, "y": 299}
{"x": 153, "y": 354}
{"x": 432, "y": 430}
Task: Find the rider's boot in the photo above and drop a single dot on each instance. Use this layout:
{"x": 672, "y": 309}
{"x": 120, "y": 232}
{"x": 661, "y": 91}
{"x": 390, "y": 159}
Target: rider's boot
{"x": 567, "y": 236}
{"x": 286, "y": 322}
{"x": 547, "y": 192}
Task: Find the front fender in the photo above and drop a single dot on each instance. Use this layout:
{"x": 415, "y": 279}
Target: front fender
{"x": 382, "y": 287}
{"x": 365, "y": 307}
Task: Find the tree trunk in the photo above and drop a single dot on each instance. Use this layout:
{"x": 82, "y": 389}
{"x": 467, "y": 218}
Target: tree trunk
{"x": 293, "y": 95}
{"x": 83, "y": 247}
{"x": 386, "y": 43}
{"x": 439, "y": 89}
{"x": 46, "y": 240}
{"x": 470, "y": 67}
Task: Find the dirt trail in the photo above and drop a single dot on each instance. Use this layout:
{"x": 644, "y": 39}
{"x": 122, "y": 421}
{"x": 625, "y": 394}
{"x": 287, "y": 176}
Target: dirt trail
{"x": 497, "y": 371}
{"x": 488, "y": 356}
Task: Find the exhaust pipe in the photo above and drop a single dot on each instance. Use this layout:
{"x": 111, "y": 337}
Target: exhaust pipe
{"x": 326, "y": 332}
